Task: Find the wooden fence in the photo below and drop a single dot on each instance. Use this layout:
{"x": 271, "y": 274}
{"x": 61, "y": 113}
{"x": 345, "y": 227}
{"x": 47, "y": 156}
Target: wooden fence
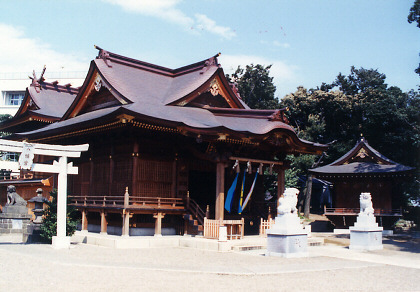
{"x": 355, "y": 211}
{"x": 235, "y": 228}
{"x": 264, "y": 225}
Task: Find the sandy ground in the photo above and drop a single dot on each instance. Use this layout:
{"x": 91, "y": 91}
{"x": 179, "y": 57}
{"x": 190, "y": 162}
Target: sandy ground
{"x": 38, "y": 267}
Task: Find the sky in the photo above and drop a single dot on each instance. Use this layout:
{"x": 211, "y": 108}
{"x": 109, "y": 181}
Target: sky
{"x": 307, "y": 42}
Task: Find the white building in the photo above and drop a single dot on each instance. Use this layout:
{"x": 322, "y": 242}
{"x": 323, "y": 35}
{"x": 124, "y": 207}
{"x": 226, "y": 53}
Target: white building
{"x": 13, "y": 86}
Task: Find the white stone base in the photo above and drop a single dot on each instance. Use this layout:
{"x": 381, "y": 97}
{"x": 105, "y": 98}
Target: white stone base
{"x": 287, "y": 245}
{"x": 61, "y": 242}
{"x": 366, "y": 238}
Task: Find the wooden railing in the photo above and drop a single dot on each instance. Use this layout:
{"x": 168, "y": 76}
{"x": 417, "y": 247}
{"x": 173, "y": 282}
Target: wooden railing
{"x": 119, "y": 201}
{"x": 235, "y": 228}
{"x": 195, "y": 210}
{"x": 264, "y": 225}
{"x": 355, "y": 211}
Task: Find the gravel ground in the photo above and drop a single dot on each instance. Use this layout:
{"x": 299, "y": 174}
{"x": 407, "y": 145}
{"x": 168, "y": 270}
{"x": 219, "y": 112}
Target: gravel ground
{"x": 84, "y": 267}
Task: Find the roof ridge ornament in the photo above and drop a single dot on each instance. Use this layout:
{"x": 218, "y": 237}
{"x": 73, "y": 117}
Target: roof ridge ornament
{"x": 104, "y": 55}
{"x": 36, "y": 82}
{"x": 210, "y": 62}
{"x": 278, "y": 116}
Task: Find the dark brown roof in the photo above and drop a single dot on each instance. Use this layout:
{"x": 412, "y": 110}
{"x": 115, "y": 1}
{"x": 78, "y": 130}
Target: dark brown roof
{"x": 158, "y": 95}
{"x": 362, "y": 159}
{"x": 43, "y": 103}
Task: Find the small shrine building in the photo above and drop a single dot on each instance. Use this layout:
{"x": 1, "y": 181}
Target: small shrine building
{"x": 163, "y": 142}
{"x": 363, "y": 169}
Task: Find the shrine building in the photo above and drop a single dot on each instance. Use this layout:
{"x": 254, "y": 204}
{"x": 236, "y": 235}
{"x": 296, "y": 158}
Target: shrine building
{"x": 165, "y": 144}
{"x": 364, "y": 169}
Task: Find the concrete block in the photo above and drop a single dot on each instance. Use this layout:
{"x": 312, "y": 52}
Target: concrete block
{"x": 290, "y": 245}
{"x": 366, "y": 239}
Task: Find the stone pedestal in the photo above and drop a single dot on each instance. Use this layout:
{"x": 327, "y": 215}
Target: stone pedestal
{"x": 365, "y": 234}
{"x": 287, "y": 238}
{"x": 14, "y": 219}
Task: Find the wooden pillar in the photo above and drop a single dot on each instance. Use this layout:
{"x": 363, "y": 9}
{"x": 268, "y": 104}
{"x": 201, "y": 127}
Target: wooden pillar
{"x": 220, "y": 191}
{"x": 308, "y": 194}
{"x": 84, "y": 221}
{"x": 126, "y": 215}
{"x": 104, "y": 223}
{"x": 280, "y": 184}
{"x": 158, "y": 223}
{"x": 135, "y": 155}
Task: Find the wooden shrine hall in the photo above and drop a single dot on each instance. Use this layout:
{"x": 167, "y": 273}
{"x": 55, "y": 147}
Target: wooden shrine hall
{"x": 163, "y": 143}
{"x": 364, "y": 169}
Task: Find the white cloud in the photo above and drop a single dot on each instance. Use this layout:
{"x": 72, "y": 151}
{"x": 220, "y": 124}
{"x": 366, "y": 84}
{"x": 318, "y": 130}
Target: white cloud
{"x": 22, "y": 54}
{"x": 164, "y": 9}
{"x": 276, "y": 44}
{"x": 282, "y": 45}
{"x": 203, "y": 22}
{"x": 167, "y": 10}
{"x": 285, "y": 75}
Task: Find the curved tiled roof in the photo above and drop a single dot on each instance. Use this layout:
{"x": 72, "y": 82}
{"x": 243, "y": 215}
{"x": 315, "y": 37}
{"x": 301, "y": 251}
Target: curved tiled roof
{"x": 371, "y": 162}
{"x": 52, "y": 100}
{"x": 44, "y": 102}
{"x": 153, "y": 93}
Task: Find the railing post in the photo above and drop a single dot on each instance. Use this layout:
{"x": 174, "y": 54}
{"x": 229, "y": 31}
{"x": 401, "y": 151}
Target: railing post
{"x": 205, "y": 228}
{"x": 126, "y": 215}
{"x": 126, "y": 198}
{"x": 188, "y": 200}
{"x": 208, "y": 211}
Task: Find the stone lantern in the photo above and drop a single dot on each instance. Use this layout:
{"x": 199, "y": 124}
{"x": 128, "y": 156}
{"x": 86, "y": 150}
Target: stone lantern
{"x": 39, "y": 201}
{"x": 34, "y": 229}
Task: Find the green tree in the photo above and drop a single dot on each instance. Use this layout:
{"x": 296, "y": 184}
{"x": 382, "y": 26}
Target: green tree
{"x": 363, "y": 104}
{"x": 414, "y": 15}
{"x": 49, "y": 223}
{"x": 256, "y": 86}
{"x": 2, "y": 119}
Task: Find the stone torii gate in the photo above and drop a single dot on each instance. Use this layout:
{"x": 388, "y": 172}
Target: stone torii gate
{"x": 61, "y": 167}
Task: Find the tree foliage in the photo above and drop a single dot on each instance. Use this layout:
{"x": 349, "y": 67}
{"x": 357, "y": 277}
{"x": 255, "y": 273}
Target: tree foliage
{"x": 355, "y": 104}
{"x": 337, "y": 113}
{"x": 2, "y": 119}
{"x": 256, "y": 86}
{"x": 414, "y": 15}
{"x": 49, "y": 223}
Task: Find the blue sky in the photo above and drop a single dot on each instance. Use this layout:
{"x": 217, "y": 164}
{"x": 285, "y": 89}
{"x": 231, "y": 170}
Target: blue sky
{"x": 307, "y": 42}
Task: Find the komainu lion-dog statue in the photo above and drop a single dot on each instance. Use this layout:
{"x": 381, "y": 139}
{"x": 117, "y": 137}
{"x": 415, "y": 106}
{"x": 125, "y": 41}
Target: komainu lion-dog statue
{"x": 13, "y": 199}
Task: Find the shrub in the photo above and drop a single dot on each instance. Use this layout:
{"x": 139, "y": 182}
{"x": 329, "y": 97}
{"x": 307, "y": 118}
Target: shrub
{"x": 49, "y": 223}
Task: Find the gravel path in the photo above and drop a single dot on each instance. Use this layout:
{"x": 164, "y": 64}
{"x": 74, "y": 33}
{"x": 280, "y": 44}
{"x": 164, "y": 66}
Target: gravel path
{"x": 38, "y": 267}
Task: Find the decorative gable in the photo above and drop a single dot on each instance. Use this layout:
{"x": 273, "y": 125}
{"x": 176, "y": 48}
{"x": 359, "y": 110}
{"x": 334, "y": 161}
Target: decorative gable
{"x": 363, "y": 155}
{"x": 32, "y": 105}
{"x": 96, "y": 95}
{"x": 213, "y": 93}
